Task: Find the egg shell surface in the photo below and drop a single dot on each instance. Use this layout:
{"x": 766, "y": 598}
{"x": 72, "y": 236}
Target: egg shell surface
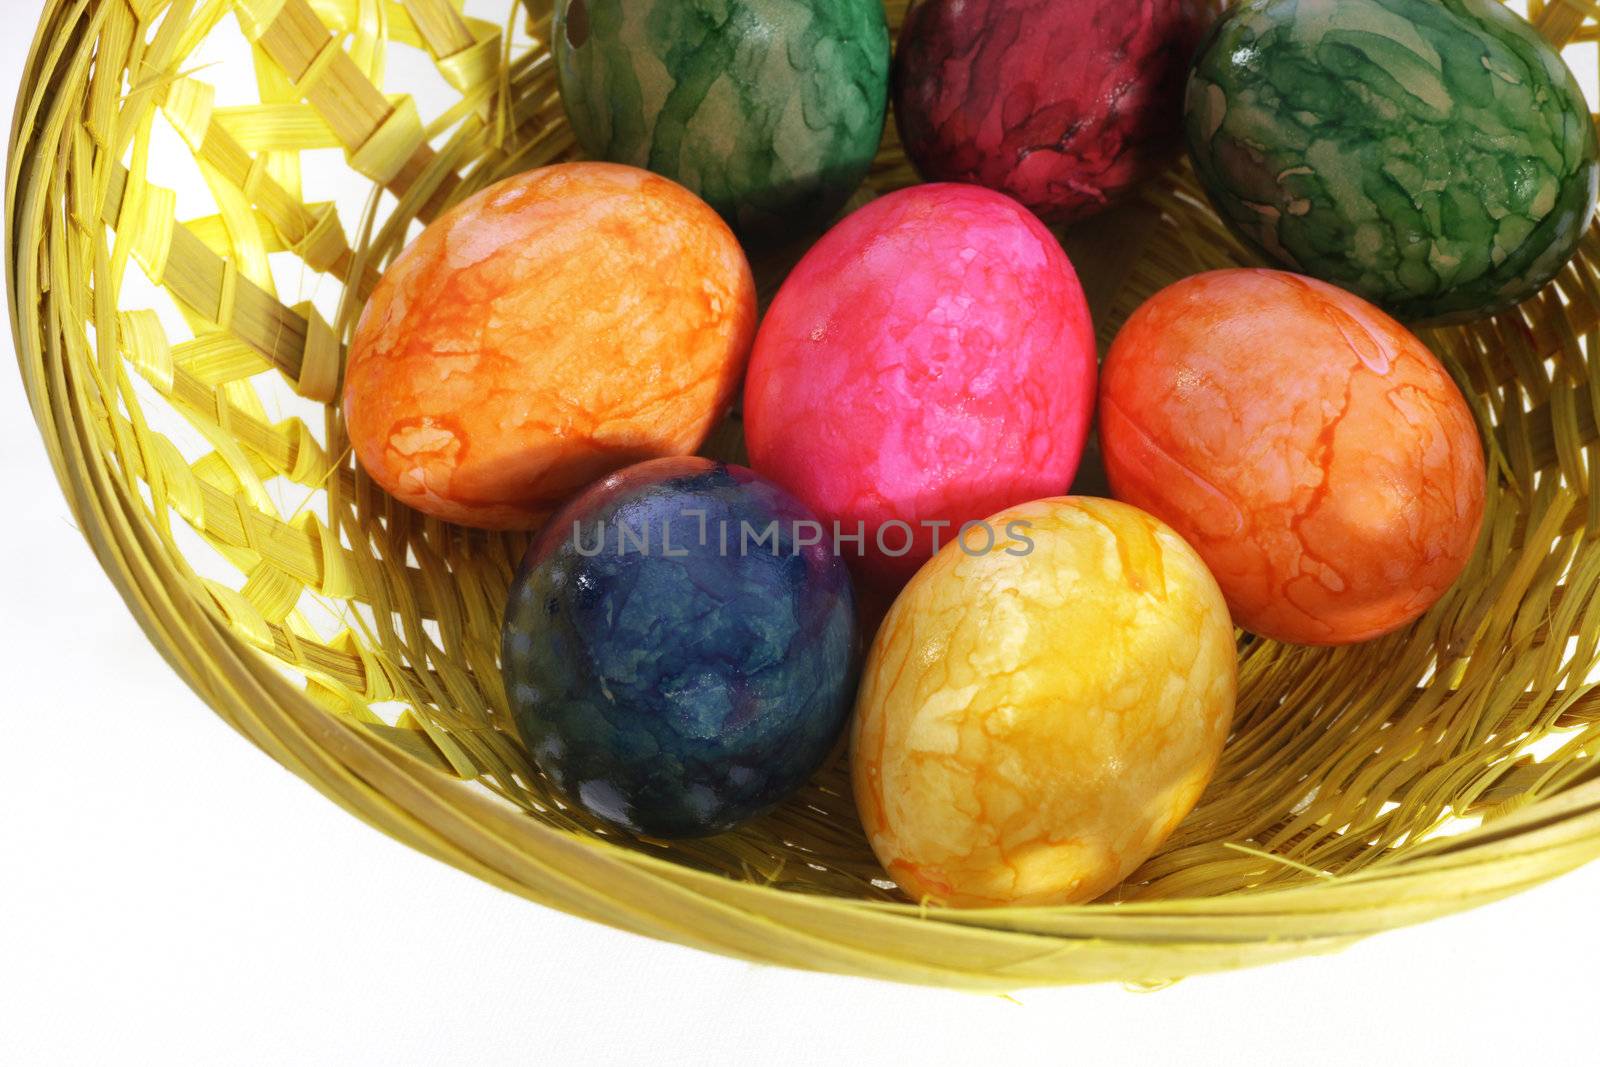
{"x": 1436, "y": 157}
{"x": 930, "y": 360}
{"x": 1064, "y": 106}
{"x": 1313, "y": 450}
{"x": 771, "y": 110}
{"x": 671, "y": 667}
{"x": 546, "y": 331}
{"x": 1033, "y": 722}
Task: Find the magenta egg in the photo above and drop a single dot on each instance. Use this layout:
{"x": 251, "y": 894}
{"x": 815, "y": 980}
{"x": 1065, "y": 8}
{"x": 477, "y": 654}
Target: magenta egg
{"x": 928, "y": 363}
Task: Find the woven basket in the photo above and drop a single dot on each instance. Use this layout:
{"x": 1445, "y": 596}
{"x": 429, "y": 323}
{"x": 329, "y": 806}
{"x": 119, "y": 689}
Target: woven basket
{"x": 182, "y": 279}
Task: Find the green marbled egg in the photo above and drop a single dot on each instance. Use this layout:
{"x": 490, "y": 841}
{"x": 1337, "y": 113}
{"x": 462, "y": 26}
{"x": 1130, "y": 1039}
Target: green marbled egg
{"x": 771, "y": 110}
{"x": 1434, "y": 156}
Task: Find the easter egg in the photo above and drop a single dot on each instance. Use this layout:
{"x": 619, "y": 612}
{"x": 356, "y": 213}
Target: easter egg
{"x": 549, "y": 330}
{"x": 680, "y": 647}
{"x": 1035, "y": 719}
{"x": 927, "y": 363}
{"x": 1433, "y": 156}
{"x": 1312, "y": 450}
{"x": 770, "y": 109}
{"x": 1063, "y": 106}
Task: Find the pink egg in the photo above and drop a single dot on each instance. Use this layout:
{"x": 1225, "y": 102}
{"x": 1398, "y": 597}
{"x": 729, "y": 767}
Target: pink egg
{"x": 928, "y": 363}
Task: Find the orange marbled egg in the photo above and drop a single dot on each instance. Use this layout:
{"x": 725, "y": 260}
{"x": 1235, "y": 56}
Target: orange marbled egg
{"x": 551, "y": 329}
{"x": 1313, "y": 451}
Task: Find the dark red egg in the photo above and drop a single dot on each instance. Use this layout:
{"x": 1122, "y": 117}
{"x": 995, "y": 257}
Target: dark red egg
{"x": 1063, "y": 105}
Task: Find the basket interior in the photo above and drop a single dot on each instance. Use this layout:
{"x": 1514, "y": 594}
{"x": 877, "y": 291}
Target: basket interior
{"x": 263, "y": 160}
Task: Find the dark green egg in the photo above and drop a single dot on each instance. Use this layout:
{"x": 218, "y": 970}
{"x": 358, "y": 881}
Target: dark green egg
{"x": 770, "y": 110}
{"x": 1433, "y": 156}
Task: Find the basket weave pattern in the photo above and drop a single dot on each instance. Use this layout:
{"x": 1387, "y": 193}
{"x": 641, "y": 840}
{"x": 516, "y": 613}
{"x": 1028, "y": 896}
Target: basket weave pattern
{"x": 182, "y": 355}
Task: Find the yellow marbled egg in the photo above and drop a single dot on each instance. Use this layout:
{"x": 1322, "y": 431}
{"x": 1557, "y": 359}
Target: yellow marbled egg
{"x": 1037, "y": 715}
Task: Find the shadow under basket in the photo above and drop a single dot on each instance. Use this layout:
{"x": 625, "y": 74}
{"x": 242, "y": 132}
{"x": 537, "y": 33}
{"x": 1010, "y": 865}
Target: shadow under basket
{"x": 183, "y": 270}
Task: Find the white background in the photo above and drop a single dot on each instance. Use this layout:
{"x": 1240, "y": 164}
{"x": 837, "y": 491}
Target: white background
{"x": 168, "y": 894}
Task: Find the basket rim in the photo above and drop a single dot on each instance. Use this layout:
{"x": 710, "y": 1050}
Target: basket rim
{"x": 989, "y": 949}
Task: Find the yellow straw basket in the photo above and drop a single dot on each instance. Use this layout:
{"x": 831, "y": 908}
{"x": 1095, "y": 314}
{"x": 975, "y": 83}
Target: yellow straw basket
{"x": 184, "y": 266}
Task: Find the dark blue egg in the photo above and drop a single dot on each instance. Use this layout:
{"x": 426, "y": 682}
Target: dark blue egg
{"x": 680, "y": 647}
